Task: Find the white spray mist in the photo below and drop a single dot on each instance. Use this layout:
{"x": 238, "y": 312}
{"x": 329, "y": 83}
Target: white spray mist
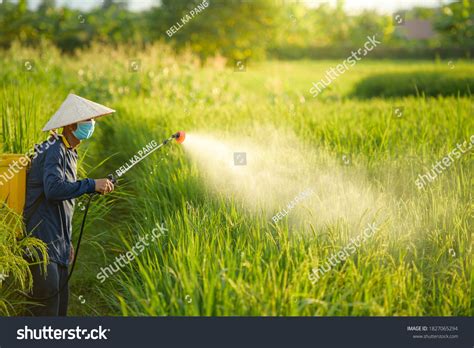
{"x": 275, "y": 170}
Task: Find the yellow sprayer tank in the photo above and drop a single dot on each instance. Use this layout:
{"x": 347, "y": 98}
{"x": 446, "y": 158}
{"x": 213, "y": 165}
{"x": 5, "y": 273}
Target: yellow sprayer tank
{"x": 13, "y": 181}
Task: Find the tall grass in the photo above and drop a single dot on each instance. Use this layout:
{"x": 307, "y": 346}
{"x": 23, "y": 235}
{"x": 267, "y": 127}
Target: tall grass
{"x": 428, "y": 83}
{"x": 19, "y": 116}
{"x": 13, "y": 266}
{"x": 20, "y": 130}
{"x": 220, "y": 259}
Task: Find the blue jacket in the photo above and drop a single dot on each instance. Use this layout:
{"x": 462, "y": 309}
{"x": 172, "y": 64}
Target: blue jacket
{"x": 51, "y": 188}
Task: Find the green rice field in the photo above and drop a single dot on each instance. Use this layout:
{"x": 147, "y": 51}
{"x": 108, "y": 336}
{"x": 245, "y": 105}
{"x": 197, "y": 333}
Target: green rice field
{"x": 221, "y": 252}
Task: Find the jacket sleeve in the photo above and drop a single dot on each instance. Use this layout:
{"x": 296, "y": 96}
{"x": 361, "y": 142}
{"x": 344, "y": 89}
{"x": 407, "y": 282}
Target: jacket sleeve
{"x": 56, "y": 187}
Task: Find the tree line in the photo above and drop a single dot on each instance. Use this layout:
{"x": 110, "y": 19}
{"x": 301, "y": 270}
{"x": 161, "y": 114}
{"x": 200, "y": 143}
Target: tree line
{"x": 232, "y": 28}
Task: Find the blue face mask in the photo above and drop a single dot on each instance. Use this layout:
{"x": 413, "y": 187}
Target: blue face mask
{"x": 84, "y": 130}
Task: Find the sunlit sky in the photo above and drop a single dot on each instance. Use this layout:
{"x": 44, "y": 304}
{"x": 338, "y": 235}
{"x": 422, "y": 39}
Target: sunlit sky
{"x": 382, "y": 6}
{"x": 388, "y": 6}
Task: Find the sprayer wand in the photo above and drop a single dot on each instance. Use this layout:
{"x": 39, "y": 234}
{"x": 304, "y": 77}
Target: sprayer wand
{"x": 179, "y": 136}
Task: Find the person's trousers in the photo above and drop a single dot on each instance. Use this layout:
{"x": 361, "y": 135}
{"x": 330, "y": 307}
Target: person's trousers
{"x": 50, "y": 301}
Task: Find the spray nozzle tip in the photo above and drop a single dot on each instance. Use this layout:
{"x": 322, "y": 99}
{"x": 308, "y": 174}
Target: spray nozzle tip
{"x": 179, "y": 136}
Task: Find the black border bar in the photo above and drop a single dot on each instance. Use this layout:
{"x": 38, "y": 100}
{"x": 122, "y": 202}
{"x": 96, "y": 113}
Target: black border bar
{"x": 246, "y": 332}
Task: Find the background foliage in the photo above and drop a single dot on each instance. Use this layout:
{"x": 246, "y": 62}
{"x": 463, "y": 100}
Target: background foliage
{"x": 217, "y": 258}
{"x": 234, "y": 28}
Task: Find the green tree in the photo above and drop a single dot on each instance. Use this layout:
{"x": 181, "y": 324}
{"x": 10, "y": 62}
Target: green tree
{"x": 455, "y": 23}
{"x": 46, "y": 5}
{"x": 233, "y": 28}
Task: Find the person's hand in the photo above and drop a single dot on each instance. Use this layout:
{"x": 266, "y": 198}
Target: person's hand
{"x": 104, "y": 186}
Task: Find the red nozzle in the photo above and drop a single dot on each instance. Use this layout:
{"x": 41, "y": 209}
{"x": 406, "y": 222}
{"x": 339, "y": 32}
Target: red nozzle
{"x": 180, "y": 136}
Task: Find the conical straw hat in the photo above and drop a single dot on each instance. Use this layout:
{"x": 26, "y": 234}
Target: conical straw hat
{"x": 76, "y": 109}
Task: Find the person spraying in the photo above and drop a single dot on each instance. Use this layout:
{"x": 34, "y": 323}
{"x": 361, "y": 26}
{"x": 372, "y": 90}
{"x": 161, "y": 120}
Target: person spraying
{"x": 51, "y": 189}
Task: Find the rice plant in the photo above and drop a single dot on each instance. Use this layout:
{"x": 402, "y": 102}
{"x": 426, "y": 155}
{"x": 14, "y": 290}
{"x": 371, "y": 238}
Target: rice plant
{"x": 20, "y": 118}
{"x": 14, "y": 268}
{"x": 221, "y": 258}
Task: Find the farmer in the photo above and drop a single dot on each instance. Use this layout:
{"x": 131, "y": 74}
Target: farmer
{"x": 52, "y": 186}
